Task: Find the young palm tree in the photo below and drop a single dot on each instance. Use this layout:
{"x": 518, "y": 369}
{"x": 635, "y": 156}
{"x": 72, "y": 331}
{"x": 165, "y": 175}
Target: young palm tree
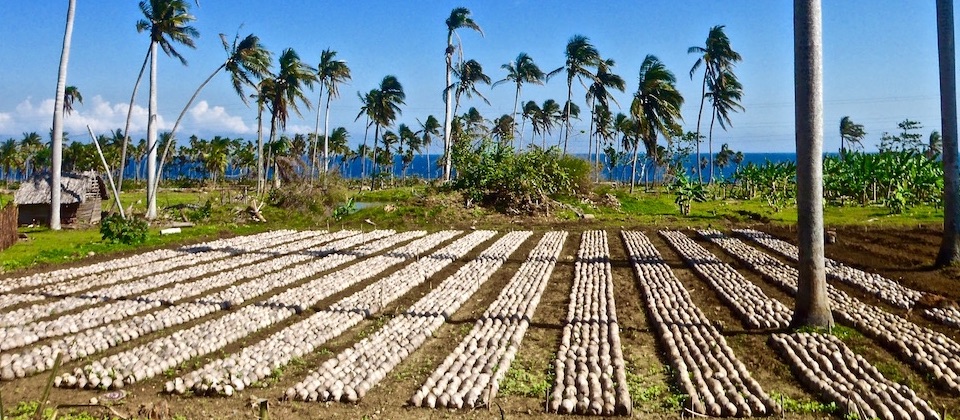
{"x": 247, "y": 60}
{"x": 949, "y": 253}
{"x": 429, "y": 129}
{"x": 292, "y": 78}
{"x": 851, "y": 133}
{"x": 549, "y": 115}
{"x": 459, "y": 18}
{"x": 716, "y": 57}
{"x": 581, "y": 56}
{"x": 167, "y": 21}
{"x": 655, "y": 108}
{"x": 812, "y": 305}
{"x": 520, "y": 71}
{"x": 530, "y": 111}
{"x": 725, "y": 93}
{"x": 599, "y": 97}
{"x": 59, "y": 108}
{"x": 331, "y": 73}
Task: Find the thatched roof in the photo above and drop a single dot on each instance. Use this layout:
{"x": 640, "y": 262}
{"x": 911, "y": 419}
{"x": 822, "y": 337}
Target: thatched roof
{"x": 74, "y": 188}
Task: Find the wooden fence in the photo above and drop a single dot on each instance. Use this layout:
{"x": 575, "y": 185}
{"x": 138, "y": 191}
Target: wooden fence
{"x": 8, "y": 226}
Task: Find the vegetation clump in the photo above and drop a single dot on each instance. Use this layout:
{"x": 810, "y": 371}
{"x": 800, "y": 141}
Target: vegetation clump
{"x": 131, "y": 231}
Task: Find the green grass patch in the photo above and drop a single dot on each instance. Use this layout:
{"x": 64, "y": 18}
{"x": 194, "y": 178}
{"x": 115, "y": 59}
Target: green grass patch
{"x": 522, "y": 382}
{"x": 791, "y": 405}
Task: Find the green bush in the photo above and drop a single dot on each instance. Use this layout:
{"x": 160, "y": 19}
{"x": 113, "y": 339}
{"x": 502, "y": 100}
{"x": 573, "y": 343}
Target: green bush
{"x": 114, "y": 228}
{"x": 494, "y": 174}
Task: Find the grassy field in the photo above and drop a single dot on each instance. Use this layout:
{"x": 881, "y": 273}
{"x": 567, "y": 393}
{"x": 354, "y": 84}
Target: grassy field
{"x": 425, "y": 207}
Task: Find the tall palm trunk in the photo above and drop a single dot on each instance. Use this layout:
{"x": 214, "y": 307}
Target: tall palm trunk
{"x": 126, "y": 126}
{"x": 316, "y": 138}
{"x": 260, "y": 175}
{"x": 363, "y": 159}
{"x": 516, "y": 101}
{"x": 713, "y": 118}
{"x": 950, "y": 247}
{"x": 273, "y": 155}
{"x": 703, "y": 98}
{"x": 152, "y": 137}
{"x": 375, "y": 171}
{"x": 812, "y": 306}
{"x": 447, "y": 116}
{"x": 326, "y": 135}
{"x": 57, "y": 141}
{"x": 566, "y": 114}
{"x": 176, "y": 124}
{"x": 633, "y": 170}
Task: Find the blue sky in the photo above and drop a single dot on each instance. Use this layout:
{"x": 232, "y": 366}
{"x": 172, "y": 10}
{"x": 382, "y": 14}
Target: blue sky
{"x": 880, "y": 61}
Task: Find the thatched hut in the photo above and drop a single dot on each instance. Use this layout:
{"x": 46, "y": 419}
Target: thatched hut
{"x": 80, "y": 199}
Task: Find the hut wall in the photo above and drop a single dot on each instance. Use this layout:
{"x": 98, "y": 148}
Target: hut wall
{"x": 8, "y": 226}
{"x": 89, "y": 211}
{"x": 40, "y": 214}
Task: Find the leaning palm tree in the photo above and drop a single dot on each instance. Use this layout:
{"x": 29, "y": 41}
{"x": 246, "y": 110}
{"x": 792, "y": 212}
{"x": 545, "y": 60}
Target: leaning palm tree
{"x": 850, "y": 133}
{"x": 247, "y": 60}
{"x": 70, "y": 95}
{"x": 330, "y": 73}
{"x": 725, "y": 93}
{"x": 581, "y": 56}
{"x": 60, "y": 106}
{"x": 167, "y": 21}
{"x": 655, "y": 108}
{"x": 520, "y": 71}
{"x": 293, "y": 76}
{"x": 716, "y": 57}
{"x": 459, "y": 18}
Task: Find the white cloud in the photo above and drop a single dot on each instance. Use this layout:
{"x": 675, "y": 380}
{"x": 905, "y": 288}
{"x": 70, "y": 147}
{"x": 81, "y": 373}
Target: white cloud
{"x": 103, "y": 116}
{"x": 215, "y": 119}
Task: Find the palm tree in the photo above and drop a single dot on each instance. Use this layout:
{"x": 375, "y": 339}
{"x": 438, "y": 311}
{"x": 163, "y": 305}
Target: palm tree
{"x": 385, "y": 106}
{"x": 950, "y": 246}
{"x": 247, "y": 60}
{"x": 549, "y": 115}
{"x": 812, "y": 305}
{"x": 503, "y": 128}
{"x": 850, "y": 132}
{"x": 599, "y": 97}
{"x": 330, "y": 73}
{"x": 716, "y": 57}
{"x": 655, "y": 108}
{"x": 288, "y": 90}
{"x": 725, "y": 93}
{"x": 407, "y": 137}
{"x": 367, "y": 100}
{"x": 469, "y": 74}
{"x": 10, "y": 158}
{"x": 520, "y": 71}
{"x": 30, "y": 145}
{"x": 339, "y": 139}
{"x": 934, "y": 145}
{"x": 429, "y": 128}
{"x": 59, "y": 108}
{"x": 581, "y": 55}
{"x": 167, "y": 22}
{"x": 70, "y": 95}
{"x": 530, "y": 112}
{"x": 459, "y": 18}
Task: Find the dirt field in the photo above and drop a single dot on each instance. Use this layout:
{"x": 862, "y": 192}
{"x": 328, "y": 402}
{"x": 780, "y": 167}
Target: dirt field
{"x": 904, "y": 255}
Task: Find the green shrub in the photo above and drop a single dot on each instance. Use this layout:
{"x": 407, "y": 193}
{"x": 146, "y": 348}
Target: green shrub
{"x": 114, "y": 228}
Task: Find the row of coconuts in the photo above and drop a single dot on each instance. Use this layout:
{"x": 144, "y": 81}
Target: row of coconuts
{"x": 109, "y": 311}
{"x": 86, "y": 343}
{"x": 14, "y": 299}
{"x": 826, "y": 365}
{"x": 885, "y": 289}
{"x": 717, "y": 382}
{"x": 27, "y": 332}
{"x": 237, "y": 261}
{"x": 254, "y": 363}
{"x": 929, "y": 351}
{"x": 372, "y": 299}
{"x": 470, "y": 375}
{"x": 590, "y": 370}
{"x": 274, "y": 260}
{"x": 240, "y": 293}
{"x": 153, "y": 358}
{"x": 311, "y": 292}
{"x": 39, "y": 279}
{"x": 163, "y": 268}
{"x": 352, "y": 373}
{"x": 46, "y": 308}
{"x": 747, "y": 299}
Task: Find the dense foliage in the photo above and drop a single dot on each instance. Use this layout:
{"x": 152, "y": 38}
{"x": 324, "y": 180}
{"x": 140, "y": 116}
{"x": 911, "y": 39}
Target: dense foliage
{"x": 115, "y": 228}
{"x": 494, "y": 174}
